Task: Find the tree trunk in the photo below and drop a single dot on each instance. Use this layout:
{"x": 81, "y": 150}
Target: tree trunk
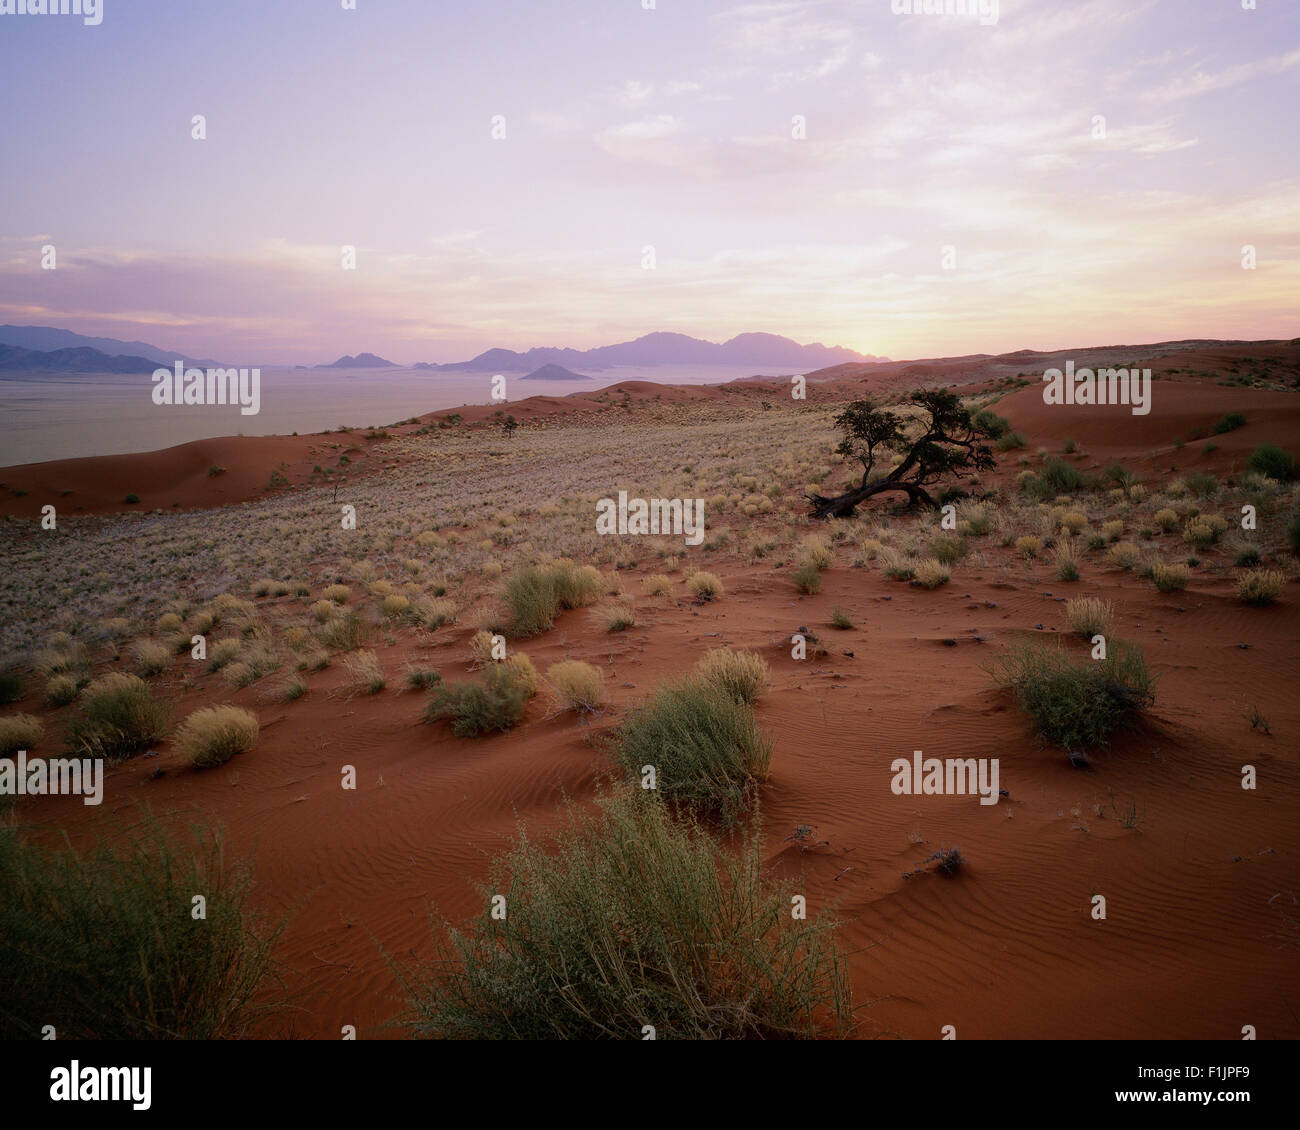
{"x": 843, "y": 505}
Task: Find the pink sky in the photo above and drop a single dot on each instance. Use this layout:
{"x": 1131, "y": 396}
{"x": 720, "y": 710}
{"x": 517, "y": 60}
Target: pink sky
{"x": 670, "y": 127}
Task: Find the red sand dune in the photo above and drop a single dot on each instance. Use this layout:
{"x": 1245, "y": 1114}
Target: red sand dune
{"x": 1201, "y": 935}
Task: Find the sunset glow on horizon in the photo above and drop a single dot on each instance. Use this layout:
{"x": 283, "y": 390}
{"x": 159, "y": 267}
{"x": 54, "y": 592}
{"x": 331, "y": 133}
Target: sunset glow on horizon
{"x": 903, "y": 185}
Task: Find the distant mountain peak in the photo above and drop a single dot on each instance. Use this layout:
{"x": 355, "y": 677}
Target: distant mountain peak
{"x": 553, "y": 372}
{"x": 761, "y": 350}
{"x": 360, "y": 361}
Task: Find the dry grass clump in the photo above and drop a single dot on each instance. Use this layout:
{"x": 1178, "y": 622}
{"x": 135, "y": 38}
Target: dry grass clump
{"x": 344, "y": 632}
{"x": 704, "y": 586}
{"x": 365, "y": 671}
{"x": 480, "y": 648}
{"x": 151, "y": 658}
{"x": 433, "y": 614}
{"x": 1074, "y": 521}
{"x": 808, "y": 579}
{"x": 1124, "y": 555}
{"x": 119, "y": 717}
{"x": 975, "y": 521}
{"x": 815, "y": 552}
{"x": 1090, "y": 616}
{"x": 742, "y": 674}
{"x": 1028, "y": 546}
{"x": 395, "y": 606}
{"x": 634, "y": 918}
{"x": 930, "y": 574}
{"x": 1170, "y": 578}
{"x": 577, "y": 685}
{"x": 19, "y": 732}
{"x": 1113, "y": 530}
{"x": 1199, "y": 533}
{"x": 223, "y": 652}
{"x": 616, "y": 617}
{"x": 213, "y": 735}
{"x": 60, "y": 690}
{"x": 324, "y": 610}
{"x": 1067, "y": 563}
{"x": 896, "y": 566}
{"x": 1166, "y": 520}
{"x": 169, "y": 622}
{"x": 1260, "y": 586}
{"x": 337, "y": 594}
{"x": 658, "y": 584}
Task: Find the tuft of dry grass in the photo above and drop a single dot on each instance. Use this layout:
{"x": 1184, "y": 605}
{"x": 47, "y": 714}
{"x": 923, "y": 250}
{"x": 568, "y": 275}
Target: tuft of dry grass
{"x": 1123, "y": 555}
{"x": 576, "y": 685}
{"x": 930, "y": 573}
{"x": 365, "y": 671}
{"x": 742, "y": 674}
{"x": 1090, "y": 616}
{"x": 658, "y": 584}
{"x": 19, "y": 732}
{"x": 1170, "y": 578}
{"x": 1260, "y": 586}
{"x": 704, "y": 586}
{"x": 119, "y": 717}
{"x": 151, "y": 658}
{"x": 213, "y": 735}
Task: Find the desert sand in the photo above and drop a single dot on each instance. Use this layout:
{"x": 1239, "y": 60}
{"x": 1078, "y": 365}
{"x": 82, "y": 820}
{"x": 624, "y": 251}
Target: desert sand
{"x": 1201, "y": 935}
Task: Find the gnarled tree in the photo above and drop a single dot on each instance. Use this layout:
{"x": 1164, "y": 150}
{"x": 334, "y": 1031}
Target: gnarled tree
{"x": 948, "y": 446}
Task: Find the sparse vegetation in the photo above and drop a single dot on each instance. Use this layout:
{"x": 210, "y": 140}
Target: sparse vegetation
{"x": 741, "y": 674}
{"x": 1260, "y": 586}
{"x": 577, "y": 685}
{"x": 101, "y": 946}
{"x": 213, "y": 735}
{"x": 634, "y": 918}
{"x": 702, "y": 743}
{"x": 119, "y": 717}
{"x": 1077, "y": 705}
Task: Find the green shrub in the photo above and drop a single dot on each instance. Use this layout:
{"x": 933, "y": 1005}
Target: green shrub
{"x": 1061, "y": 477}
{"x": 1077, "y": 705}
{"x": 535, "y": 594}
{"x": 841, "y": 620}
{"x": 102, "y": 946}
{"x": 633, "y": 919}
{"x": 703, "y": 742}
{"x": 991, "y": 424}
{"x": 808, "y": 579}
{"x": 119, "y": 717}
{"x": 1231, "y": 422}
{"x": 1271, "y": 461}
{"x": 494, "y": 705}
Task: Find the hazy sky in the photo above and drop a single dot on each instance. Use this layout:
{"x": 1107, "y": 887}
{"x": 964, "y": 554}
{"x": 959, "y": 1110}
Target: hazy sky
{"x": 669, "y": 127}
